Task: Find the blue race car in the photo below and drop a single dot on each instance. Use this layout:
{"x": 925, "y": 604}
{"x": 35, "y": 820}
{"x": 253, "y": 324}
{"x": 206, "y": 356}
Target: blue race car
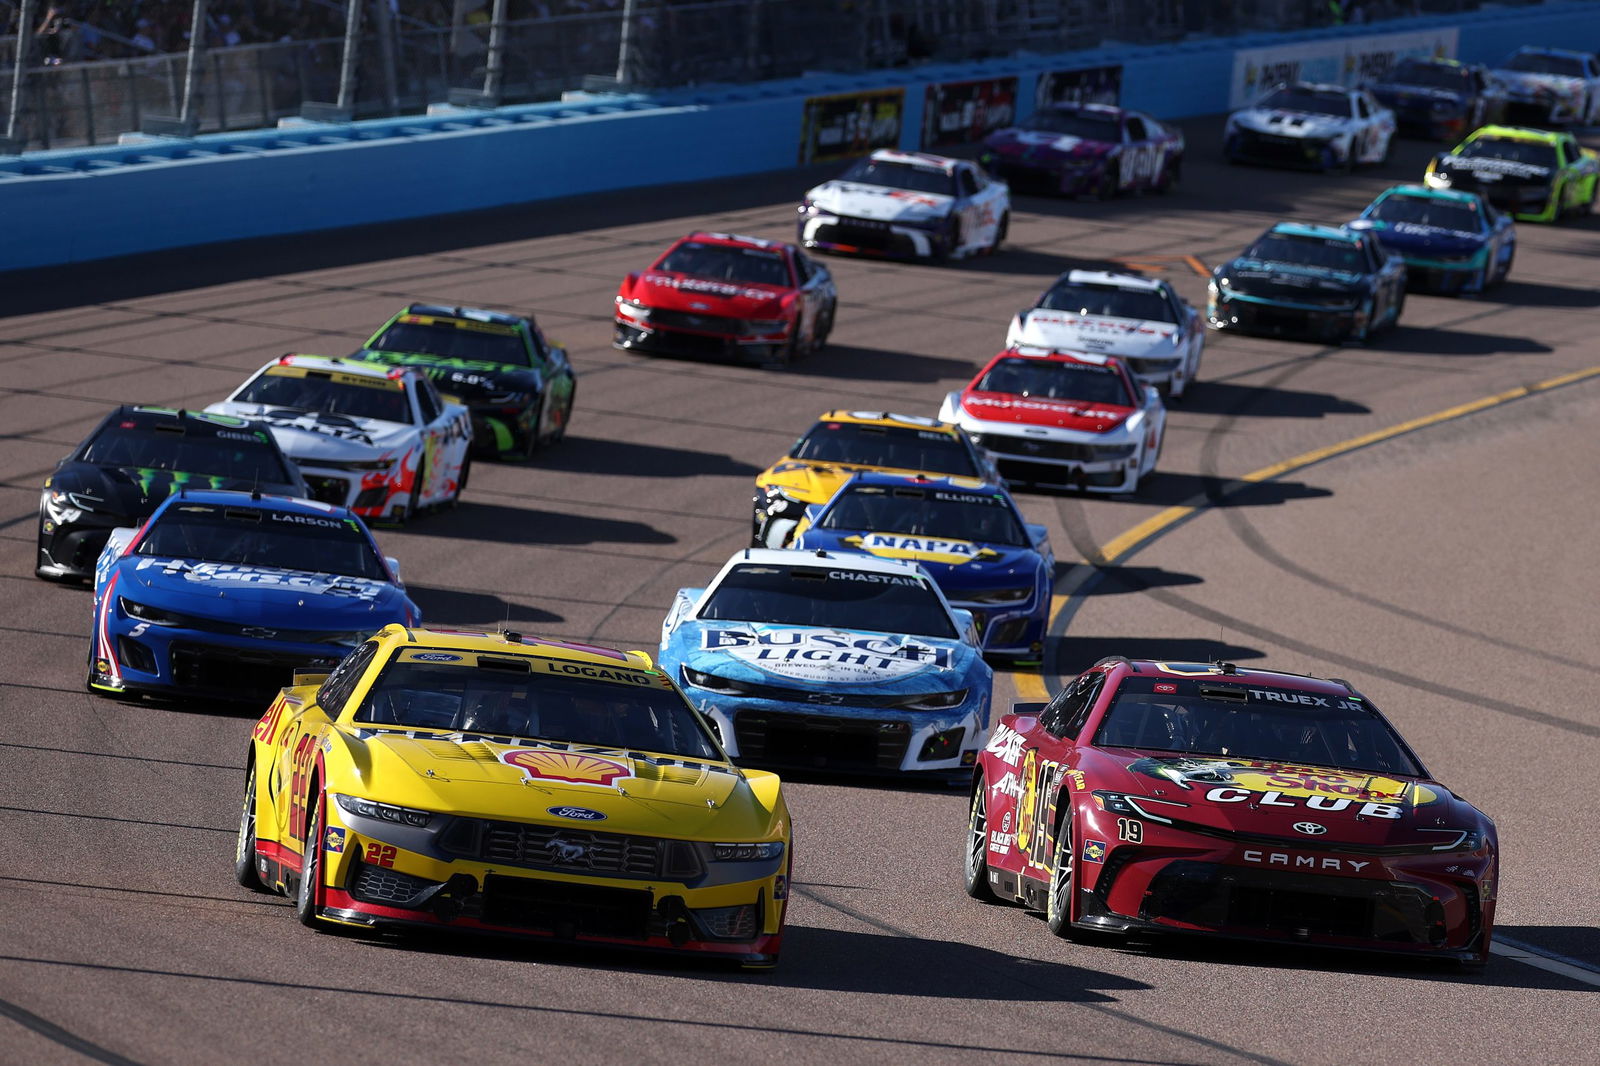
{"x": 1323, "y": 282}
{"x": 967, "y": 534}
{"x": 1452, "y": 241}
{"x": 1444, "y": 99}
{"x": 224, "y": 595}
{"x": 831, "y": 661}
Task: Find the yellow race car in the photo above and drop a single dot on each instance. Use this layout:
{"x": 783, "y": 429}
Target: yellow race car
{"x": 844, "y": 443}
{"x": 506, "y": 785}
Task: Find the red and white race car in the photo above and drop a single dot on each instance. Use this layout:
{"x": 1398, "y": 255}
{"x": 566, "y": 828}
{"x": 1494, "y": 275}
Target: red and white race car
{"x": 1062, "y": 418}
{"x": 723, "y": 294}
{"x": 1141, "y": 320}
{"x": 379, "y": 440}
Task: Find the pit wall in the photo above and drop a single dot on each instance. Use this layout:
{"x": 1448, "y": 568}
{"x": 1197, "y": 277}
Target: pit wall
{"x": 156, "y": 193}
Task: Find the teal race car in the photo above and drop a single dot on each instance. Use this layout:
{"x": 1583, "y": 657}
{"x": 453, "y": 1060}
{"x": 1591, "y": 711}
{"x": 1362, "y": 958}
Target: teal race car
{"x": 1453, "y": 242}
{"x": 518, "y": 385}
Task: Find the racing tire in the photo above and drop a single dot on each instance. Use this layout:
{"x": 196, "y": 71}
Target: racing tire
{"x": 309, "y": 889}
{"x": 1063, "y": 884}
{"x": 1399, "y": 309}
{"x": 975, "y": 862}
{"x": 244, "y": 849}
{"x": 557, "y": 435}
{"x": 1000, "y": 232}
{"x": 1366, "y": 332}
{"x": 1106, "y": 191}
{"x": 824, "y": 327}
{"x": 1170, "y": 176}
{"x": 461, "y": 482}
{"x": 1505, "y": 271}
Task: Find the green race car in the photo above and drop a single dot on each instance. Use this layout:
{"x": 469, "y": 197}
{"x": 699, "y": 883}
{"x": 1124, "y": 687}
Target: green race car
{"x": 518, "y": 386}
{"x": 1536, "y": 175}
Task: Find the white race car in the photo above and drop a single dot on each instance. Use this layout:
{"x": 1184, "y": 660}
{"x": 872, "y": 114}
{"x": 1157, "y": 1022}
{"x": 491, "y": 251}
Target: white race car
{"x": 1155, "y": 332}
{"x": 379, "y": 440}
{"x": 1325, "y": 127}
{"x": 1550, "y": 85}
{"x": 908, "y": 205}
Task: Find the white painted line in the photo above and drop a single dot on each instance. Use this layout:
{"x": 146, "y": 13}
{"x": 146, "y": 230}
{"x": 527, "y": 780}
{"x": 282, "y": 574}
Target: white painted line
{"x": 1529, "y": 956}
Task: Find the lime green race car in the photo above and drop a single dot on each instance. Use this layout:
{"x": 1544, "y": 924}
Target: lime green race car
{"x": 1536, "y": 175}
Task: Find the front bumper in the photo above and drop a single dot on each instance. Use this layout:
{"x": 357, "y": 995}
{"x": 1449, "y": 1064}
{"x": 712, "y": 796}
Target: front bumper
{"x": 1015, "y": 630}
{"x": 866, "y": 236}
{"x": 67, "y": 551}
{"x": 373, "y": 494}
{"x": 1108, "y": 468}
{"x": 1444, "y": 278}
{"x": 1253, "y": 314}
{"x": 695, "y": 335}
{"x": 1250, "y": 146}
{"x": 1052, "y": 176}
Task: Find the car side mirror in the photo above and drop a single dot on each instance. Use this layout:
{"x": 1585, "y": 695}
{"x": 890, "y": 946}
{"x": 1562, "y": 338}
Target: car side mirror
{"x": 1152, "y": 396}
{"x": 394, "y": 568}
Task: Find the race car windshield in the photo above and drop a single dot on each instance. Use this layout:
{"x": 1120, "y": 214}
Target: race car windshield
{"x": 535, "y": 705}
{"x": 1209, "y": 717}
{"x": 926, "y": 512}
{"x": 1053, "y": 379}
{"x": 148, "y": 448}
{"x": 902, "y": 176}
{"x": 829, "y": 599}
{"x": 454, "y": 342}
{"x": 1087, "y": 125}
{"x": 1431, "y": 75}
{"x": 1308, "y": 101}
{"x": 1147, "y": 305}
{"x": 318, "y": 391}
{"x": 1534, "y": 153}
{"x": 888, "y": 447}
{"x": 1534, "y": 63}
{"x": 1457, "y": 215}
{"x": 723, "y": 262}
{"x": 1308, "y": 251}
{"x": 252, "y": 536}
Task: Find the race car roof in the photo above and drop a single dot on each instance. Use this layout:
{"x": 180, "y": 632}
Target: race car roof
{"x": 1033, "y": 351}
{"x": 1317, "y": 230}
{"x": 474, "y": 314}
{"x": 916, "y": 159}
{"x": 738, "y": 239}
{"x": 1240, "y": 675}
{"x": 1106, "y": 277}
{"x": 944, "y": 483}
{"x": 178, "y": 419}
{"x": 510, "y": 642}
{"x": 1424, "y": 192}
{"x": 238, "y": 498}
{"x": 888, "y": 418}
{"x": 1538, "y": 50}
{"x": 867, "y": 564}
{"x": 1509, "y": 133}
{"x": 353, "y": 367}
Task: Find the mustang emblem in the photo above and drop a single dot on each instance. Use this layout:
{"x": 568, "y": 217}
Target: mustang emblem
{"x": 568, "y": 851}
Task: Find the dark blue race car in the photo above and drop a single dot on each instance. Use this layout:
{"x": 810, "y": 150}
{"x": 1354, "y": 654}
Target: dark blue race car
{"x": 1443, "y": 99}
{"x": 1452, "y": 241}
{"x": 224, "y": 595}
{"x": 967, "y": 534}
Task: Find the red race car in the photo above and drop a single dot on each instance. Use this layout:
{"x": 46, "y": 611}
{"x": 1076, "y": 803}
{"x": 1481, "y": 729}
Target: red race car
{"x": 723, "y": 294}
{"x": 1157, "y": 797}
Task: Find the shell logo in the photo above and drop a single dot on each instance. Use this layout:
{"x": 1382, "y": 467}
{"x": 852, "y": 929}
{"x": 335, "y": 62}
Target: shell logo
{"x": 543, "y": 764}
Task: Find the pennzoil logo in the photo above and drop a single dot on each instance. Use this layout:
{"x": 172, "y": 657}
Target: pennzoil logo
{"x": 543, "y": 764}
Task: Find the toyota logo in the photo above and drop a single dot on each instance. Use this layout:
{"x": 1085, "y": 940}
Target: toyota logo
{"x": 1310, "y": 829}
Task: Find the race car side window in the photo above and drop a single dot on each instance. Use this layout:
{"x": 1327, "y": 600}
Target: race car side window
{"x": 336, "y": 689}
{"x": 802, "y": 267}
{"x": 1136, "y": 130}
{"x": 968, "y": 183}
{"x": 1361, "y": 107}
{"x": 1070, "y": 710}
{"x": 427, "y": 402}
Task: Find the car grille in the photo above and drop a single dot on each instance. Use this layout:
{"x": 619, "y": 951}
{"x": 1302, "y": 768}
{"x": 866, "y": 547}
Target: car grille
{"x": 867, "y": 233}
{"x": 829, "y": 697}
{"x": 1066, "y": 451}
{"x": 245, "y": 672}
{"x": 566, "y": 909}
{"x": 733, "y": 327}
{"x": 332, "y": 490}
{"x": 1274, "y": 148}
{"x": 571, "y": 850}
{"x": 821, "y": 742}
{"x": 374, "y": 884}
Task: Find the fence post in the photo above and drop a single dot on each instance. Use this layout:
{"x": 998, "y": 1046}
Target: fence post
{"x": 494, "y": 74}
{"x": 88, "y": 103}
{"x": 19, "y": 75}
{"x": 626, "y": 60}
{"x": 391, "y": 81}
{"x": 352, "y": 46}
{"x": 197, "y": 37}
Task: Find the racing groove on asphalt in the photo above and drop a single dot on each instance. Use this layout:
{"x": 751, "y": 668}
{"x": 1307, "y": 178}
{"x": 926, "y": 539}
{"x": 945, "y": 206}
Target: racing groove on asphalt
{"x": 1448, "y": 573}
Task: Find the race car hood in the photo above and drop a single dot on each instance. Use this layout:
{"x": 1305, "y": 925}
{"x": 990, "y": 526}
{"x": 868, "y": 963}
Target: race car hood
{"x": 1078, "y": 416}
{"x": 880, "y": 202}
{"x": 682, "y": 292}
{"x": 1240, "y": 796}
{"x": 1483, "y": 170}
{"x": 473, "y": 380}
{"x": 1290, "y": 123}
{"x": 1526, "y": 85}
{"x": 1064, "y": 330}
{"x": 1396, "y": 92}
{"x": 811, "y": 482}
{"x": 951, "y": 563}
{"x": 260, "y": 595}
{"x": 1421, "y": 240}
{"x": 315, "y": 435}
{"x": 1289, "y": 281}
{"x": 135, "y": 492}
{"x": 1042, "y": 145}
{"x": 806, "y": 656}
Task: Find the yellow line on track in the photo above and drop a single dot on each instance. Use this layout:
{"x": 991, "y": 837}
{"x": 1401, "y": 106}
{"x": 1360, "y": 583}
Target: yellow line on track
{"x": 1031, "y": 687}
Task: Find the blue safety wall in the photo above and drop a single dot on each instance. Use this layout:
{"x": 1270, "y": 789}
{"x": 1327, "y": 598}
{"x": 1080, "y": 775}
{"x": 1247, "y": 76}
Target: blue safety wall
{"x": 77, "y": 205}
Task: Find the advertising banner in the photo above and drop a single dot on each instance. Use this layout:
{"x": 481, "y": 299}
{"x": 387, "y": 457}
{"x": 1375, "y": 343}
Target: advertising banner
{"x": 965, "y": 112}
{"x": 1091, "y": 85}
{"x": 851, "y": 124}
{"x": 1349, "y": 61}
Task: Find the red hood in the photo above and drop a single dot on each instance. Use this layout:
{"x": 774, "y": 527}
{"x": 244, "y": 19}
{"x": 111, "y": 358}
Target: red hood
{"x": 682, "y": 292}
{"x": 1077, "y": 415}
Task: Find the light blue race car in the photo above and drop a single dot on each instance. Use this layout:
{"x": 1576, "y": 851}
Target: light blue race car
{"x": 832, "y": 661}
{"x": 967, "y": 534}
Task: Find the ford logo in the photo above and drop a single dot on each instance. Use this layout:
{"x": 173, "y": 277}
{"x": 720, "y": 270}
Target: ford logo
{"x": 435, "y": 657}
{"x": 1310, "y": 829}
{"x": 582, "y": 814}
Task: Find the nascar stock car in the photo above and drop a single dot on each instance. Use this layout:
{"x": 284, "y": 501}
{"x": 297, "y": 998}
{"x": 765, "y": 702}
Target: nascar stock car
{"x": 1325, "y": 127}
{"x": 518, "y": 385}
{"x": 131, "y": 461}
{"x": 1550, "y": 85}
{"x": 1325, "y": 282}
{"x": 831, "y": 661}
{"x": 1453, "y": 242}
{"x": 968, "y": 535}
{"x": 380, "y": 441}
{"x": 908, "y": 205}
{"x": 1440, "y": 98}
{"x": 723, "y": 294}
{"x": 1537, "y": 176}
{"x": 843, "y": 443}
{"x": 1086, "y": 149}
{"x": 507, "y": 785}
{"x": 1142, "y": 321}
{"x": 1062, "y": 418}
{"x": 1192, "y": 798}
{"x": 224, "y": 595}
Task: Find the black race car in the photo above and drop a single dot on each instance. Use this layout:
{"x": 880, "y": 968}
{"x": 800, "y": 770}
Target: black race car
{"x": 137, "y": 457}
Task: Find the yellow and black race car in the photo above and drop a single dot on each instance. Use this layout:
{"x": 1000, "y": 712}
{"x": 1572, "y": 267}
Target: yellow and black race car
{"x": 501, "y": 784}
{"x": 844, "y": 443}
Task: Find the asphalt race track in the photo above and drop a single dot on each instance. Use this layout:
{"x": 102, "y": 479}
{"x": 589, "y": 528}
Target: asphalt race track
{"x": 1449, "y": 571}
